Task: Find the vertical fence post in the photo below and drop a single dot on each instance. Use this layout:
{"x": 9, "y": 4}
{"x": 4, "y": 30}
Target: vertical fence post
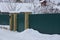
{"x": 27, "y": 20}
{"x": 15, "y": 21}
{"x": 11, "y": 21}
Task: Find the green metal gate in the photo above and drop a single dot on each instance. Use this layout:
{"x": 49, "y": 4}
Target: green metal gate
{"x": 20, "y": 22}
{"x": 4, "y": 19}
{"x": 45, "y": 23}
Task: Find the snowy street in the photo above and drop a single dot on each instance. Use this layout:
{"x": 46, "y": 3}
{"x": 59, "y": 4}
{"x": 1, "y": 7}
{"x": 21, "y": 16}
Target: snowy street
{"x": 28, "y": 34}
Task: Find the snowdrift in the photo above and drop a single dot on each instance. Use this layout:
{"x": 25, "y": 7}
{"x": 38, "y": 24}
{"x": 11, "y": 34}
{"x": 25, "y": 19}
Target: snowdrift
{"x": 28, "y": 34}
{"x": 7, "y": 27}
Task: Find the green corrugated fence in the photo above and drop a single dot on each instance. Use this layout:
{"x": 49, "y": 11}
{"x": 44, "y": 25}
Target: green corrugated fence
{"x": 44, "y": 23}
{"x": 20, "y": 22}
{"x": 4, "y": 19}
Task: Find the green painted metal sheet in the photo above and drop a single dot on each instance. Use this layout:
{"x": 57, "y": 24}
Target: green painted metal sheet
{"x": 4, "y": 19}
{"x": 45, "y": 23}
{"x": 20, "y": 22}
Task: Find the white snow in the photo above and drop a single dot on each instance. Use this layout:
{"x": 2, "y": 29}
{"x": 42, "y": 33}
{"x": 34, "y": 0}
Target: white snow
{"x": 7, "y": 0}
{"x": 56, "y": 1}
{"x": 7, "y": 35}
{"x": 50, "y": 8}
{"x": 58, "y": 7}
{"x": 16, "y": 7}
{"x": 28, "y": 34}
{"x": 34, "y": 7}
{"x": 5, "y": 27}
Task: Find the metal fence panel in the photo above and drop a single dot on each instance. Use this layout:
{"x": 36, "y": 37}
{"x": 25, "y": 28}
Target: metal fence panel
{"x": 20, "y": 22}
{"x": 4, "y": 19}
{"x": 45, "y": 23}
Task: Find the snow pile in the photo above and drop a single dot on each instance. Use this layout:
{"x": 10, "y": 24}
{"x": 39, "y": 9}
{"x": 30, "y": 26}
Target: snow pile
{"x": 7, "y": 27}
{"x": 31, "y": 34}
{"x": 8, "y": 35}
{"x": 28, "y": 34}
{"x": 33, "y": 6}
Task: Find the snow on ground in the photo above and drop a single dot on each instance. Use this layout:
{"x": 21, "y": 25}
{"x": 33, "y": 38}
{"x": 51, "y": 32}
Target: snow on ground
{"x": 28, "y": 34}
{"x": 8, "y": 35}
{"x": 5, "y": 27}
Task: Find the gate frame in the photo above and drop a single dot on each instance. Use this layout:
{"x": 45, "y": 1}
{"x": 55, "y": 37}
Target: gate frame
{"x": 13, "y": 17}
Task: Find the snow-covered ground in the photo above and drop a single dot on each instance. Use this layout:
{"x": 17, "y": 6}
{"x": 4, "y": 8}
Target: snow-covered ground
{"x": 7, "y": 27}
{"x": 28, "y": 34}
